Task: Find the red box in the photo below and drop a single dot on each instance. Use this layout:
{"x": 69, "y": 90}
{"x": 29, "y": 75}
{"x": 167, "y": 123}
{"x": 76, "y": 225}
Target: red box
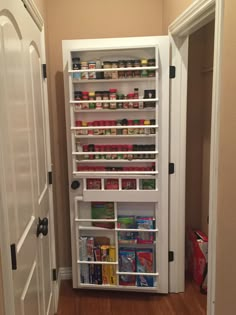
{"x": 197, "y": 254}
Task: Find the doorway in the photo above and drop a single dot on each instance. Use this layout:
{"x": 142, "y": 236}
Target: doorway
{"x": 198, "y": 144}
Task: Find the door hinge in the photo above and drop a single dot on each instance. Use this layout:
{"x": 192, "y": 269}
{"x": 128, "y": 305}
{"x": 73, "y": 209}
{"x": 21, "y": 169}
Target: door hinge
{"x": 50, "y": 178}
{"x": 172, "y": 72}
{"x": 171, "y": 168}
{"x": 171, "y": 256}
{"x": 13, "y": 257}
{"x": 44, "y": 70}
{"x": 54, "y": 275}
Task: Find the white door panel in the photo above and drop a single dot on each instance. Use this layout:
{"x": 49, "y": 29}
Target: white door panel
{"x": 23, "y": 142}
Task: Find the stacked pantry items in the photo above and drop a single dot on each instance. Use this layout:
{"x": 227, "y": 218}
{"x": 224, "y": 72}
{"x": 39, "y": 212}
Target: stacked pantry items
{"x": 97, "y": 249}
{"x": 113, "y": 69}
{"x": 113, "y": 99}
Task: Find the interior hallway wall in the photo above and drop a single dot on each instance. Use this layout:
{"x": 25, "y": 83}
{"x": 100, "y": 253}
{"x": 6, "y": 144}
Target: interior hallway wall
{"x": 200, "y": 71}
{"x": 76, "y": 19}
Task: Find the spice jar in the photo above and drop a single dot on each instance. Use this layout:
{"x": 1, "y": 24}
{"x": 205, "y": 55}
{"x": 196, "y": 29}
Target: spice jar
{"x": 141, "y": 123}
{"x": 136, "y": 96}
{"x": 144, "y": 72}
{"x": 76, "y": 66}
{"x": 96, "y": 130}
{"x": 105, "y": 97}
{"x": 147, "y": 130}
{"x": 91, "y": 149}
{"x": 85, "y": 97}
{"x": 120, "y": 104}
{"x": 97, "y": 149}
{"x": 130, "y": 97}
{"x": 112, "y": 94}
{"x": 107, "y": 65}
{"x": 90, "y": 131}
{"x": 113, "y": 130}
{"x": 129, "y": 73}
{"x": 130, "y": 130}
{"x": 92, "y": 74}
{"x": 136, "y": 130}
{"x": 121, "y": 64}
{"x": 84, "y": 131}
{"x": 85, "y": 149}
{"x": 84, "y": 66}
{"x": 137, "y": 73}
{"x": 98, "y": 97}
{"x": 91, "y": 98}
{"x": 114, "y": 74}
{"x": 151, "y": 63}
{"x": 152, "y": 129}
{"x": 130, "y": 155}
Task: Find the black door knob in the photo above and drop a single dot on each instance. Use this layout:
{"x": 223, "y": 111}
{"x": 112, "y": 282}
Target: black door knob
{"x": 75, "y": 184}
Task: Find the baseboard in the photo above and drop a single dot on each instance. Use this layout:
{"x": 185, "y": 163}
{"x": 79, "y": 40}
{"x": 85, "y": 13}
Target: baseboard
{"x": 65, "y": 273}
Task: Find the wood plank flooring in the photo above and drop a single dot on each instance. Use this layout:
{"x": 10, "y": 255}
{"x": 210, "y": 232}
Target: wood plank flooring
{"x": 91, "y": 302}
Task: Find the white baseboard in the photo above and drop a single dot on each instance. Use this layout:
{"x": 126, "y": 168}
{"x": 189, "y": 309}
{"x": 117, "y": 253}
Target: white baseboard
{"x": 65, "y": 273}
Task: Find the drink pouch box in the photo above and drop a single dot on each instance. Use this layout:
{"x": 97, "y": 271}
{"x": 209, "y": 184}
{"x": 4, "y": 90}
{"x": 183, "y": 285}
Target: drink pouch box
{"x": 146, "y": 223}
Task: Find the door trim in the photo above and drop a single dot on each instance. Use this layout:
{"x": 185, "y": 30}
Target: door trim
{"x": 34, "y": 13}
{"x": 197, "y": 15}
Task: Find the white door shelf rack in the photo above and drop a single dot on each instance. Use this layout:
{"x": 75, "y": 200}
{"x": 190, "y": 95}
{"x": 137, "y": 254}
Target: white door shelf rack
{"x": 117, "y": 146}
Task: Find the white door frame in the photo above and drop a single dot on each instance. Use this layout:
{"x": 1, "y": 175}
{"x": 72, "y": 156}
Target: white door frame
{"x": 197, "y": 15}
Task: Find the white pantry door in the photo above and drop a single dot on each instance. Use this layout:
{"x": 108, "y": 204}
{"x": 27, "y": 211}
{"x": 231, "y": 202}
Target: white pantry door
{"x": 24, "y": 163}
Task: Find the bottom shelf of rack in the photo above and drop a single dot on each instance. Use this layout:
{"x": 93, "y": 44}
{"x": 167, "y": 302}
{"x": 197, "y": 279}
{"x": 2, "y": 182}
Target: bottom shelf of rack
{"x": 117, "y": 287}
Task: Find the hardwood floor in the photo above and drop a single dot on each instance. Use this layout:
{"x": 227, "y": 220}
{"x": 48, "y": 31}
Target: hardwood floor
{"x": 94, "y": 302}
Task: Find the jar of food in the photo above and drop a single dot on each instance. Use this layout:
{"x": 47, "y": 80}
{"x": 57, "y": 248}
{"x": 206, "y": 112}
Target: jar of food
{"x": 84, "y": 125}
{"x": 77, "y": 97}
{"x": 147, "y": 130}
{"x": 137, "y": 73}
{"x": 136, "y": 123}
{"x": 130, "y": 97}
{"x": 114, "y": 74}
{"x": 91, "y": 149}
{"x": 85, "y": 97}
{"x": 105, "y": 97}
{"x": 113, "y": 130}
{"x": 76, "y": 66}
{"x": 151, "y": 63}
{"x": 78, "y": 123}
{"x": 101, "y": 123}
{"x": 98, "y": 97}
{"x": 121, "y": 73}
{"x": 135, "y": 148}
{"x": 107, "y": 130}
{"x": 136, "y": 96}
{"x": 112, "y": 96}
{"x": 144, "y": 72}
{"x": 129, "y": 72}
{"x": 96, "y": 130}
{"x": 130, "y": 149}
{"x": 120, "y": 97}
{"x": 130, "y": 130}
{"x": 91, "y": 66}
{"x": 107, "y": 65}
{"x": 85, "y": 149}
{"x": 90, "y": 131}
{"x": 84, "y": 66}
{"x": 125, "y": 103}
{"x": 91, "y": 98}
{"x": 97, "y": 149}
{"x": 119, "y": 131}
{"x": 152, "y": 123}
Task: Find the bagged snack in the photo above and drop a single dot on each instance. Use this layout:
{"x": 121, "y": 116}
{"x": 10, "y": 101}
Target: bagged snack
{"x": 144, "y": 263}
{"x": 127, "y": 264}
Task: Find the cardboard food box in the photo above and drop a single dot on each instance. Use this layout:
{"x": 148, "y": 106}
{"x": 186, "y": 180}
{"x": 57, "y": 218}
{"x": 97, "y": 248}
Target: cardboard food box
{"x": 197, "y": 249}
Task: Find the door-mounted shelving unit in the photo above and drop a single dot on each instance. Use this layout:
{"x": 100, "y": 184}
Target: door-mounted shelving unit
{"x": 116, "y": 99}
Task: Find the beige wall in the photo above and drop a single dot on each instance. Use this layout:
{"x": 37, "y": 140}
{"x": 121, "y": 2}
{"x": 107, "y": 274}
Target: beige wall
{"x": 75, "y": 19}
{"x": 171, "y": 9}
{"x": 1, "y": 290}
{"x": 226, "y": 254}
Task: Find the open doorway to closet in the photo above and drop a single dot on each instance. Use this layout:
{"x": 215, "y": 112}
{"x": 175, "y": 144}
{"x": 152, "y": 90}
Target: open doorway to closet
{"x": 198, "y": 143}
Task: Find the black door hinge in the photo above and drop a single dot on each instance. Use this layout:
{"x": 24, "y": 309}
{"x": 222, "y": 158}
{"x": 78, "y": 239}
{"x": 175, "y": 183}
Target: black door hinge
{"x": 50, "y": 178}
{"x": 172, "y": 72}
{"x": 44, "y": 70}
{"x": 54, "y": 275}
{"x": 171, "y": 168}
{"x": 171, "y": 256}
{"x": 13, "y": 257}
